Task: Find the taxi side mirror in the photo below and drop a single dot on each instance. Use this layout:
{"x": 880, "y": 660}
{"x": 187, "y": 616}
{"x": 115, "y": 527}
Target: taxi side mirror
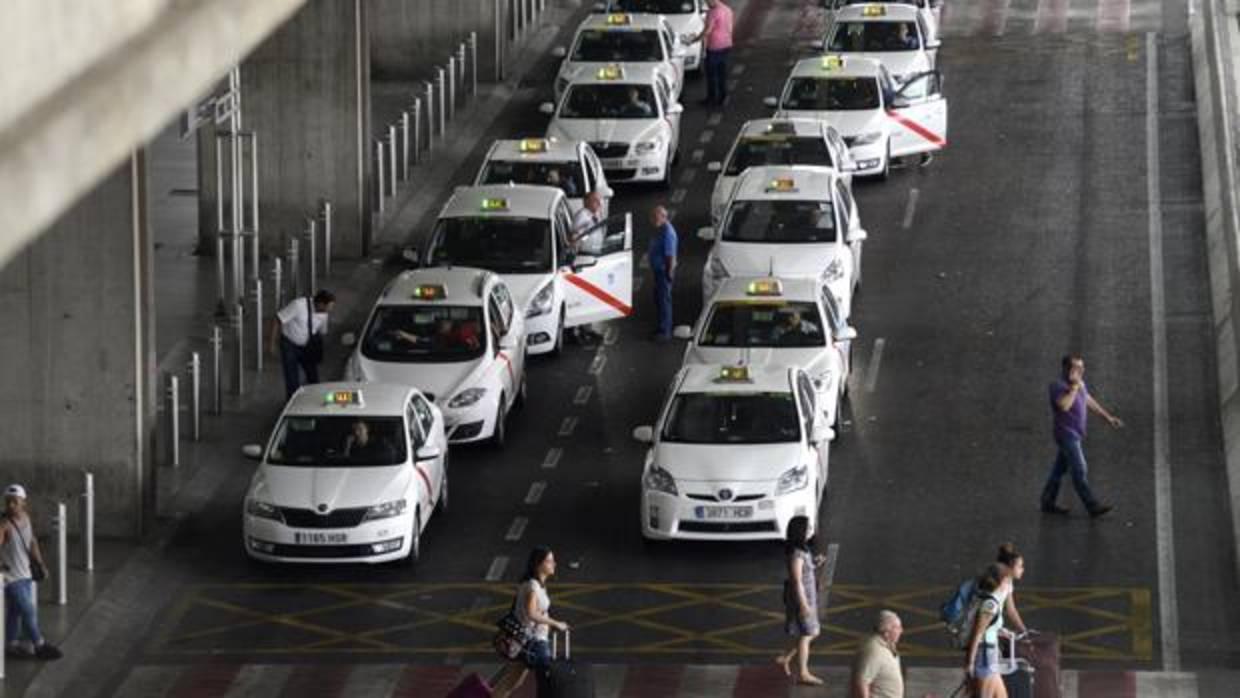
{"x": 684, "y": 332}
{"x": 584, "y": 261}
{"x": 706, "y": 233}
{"x": 411, "y": 255}
{"x": 934, "y": 43}
{"x": 348, "y": 339}
{"x": 644, "y": 434}
{"x": 252, "y": 451}
{"x": 606, "y": 192}
{"x": 559, "y": 52}
{"x": 427, "y": 452}
{"x": 675, "y": 108}
{"x": 821, "y": 433}
{"x": 857, "y": 235}
{"x": 714, "y": 166}
{"x": 547, "y": 108}
{"x": 770, "y": 102}
{"x": 847, "y": 333}
{"x": 818, "y": 45}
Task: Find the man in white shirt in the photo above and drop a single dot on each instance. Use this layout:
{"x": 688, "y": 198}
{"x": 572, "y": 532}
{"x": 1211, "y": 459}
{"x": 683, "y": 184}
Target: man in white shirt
{"x": 876, "y": 669}
{"x": 297, "y": 334}
{"x": 589, "y": 230}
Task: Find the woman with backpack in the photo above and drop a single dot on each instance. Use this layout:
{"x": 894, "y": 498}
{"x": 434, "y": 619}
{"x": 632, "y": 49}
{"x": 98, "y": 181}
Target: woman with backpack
{"x": 532, "y": 608}
{"x": 982, "y": 651}
{"x": 800, "y": 600}
{"x": 1012, "y": 567}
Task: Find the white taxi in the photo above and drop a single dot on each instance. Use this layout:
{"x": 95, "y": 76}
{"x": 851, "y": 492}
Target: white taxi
{"x": 685, "y": 17}
{"x": 878, "y": 118}
{"x": 523, "y": 233}
{"x": 788, "y": 222}
{"x": 626, "y": 40}
{"x": 894, "y": 34}
{"x": 930, "y": 12}
{"x": 352, "y": 473}
{"x": 781, "y": 322}
{"x": 457, "y": 335}
{"x": 738, "y": 450}
{"x": 778, "y": 142}
{"x": 569, "y": 165}
{"x": 630, "y": 116}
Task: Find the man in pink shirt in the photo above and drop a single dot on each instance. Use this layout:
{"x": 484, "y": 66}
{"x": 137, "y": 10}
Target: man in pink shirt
{"x": 718, "y": 35}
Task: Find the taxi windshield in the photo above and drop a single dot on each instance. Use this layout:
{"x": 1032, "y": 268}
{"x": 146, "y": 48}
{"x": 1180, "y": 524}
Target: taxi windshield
{"x": 657, "y": 7}
{"x": 780, "y": 221}
{"x": 832, "y": 94}
{"x": 732, "y": 418}
{"x": 617, "y": 46}
{"x": 513, "y": 245}
{"x": 424, "y": 333}
{"x": 756, "y": 151}
{"x": 609, "y": 101}
{"x": 763, "y": 324}
{"x": 874, "y": 37}
{"x": 338, "y": 441}
{"x": 565, "y": 175}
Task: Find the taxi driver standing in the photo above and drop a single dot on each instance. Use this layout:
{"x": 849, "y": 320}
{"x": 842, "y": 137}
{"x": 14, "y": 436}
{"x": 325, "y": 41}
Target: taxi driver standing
{"x": 589, "y": 229}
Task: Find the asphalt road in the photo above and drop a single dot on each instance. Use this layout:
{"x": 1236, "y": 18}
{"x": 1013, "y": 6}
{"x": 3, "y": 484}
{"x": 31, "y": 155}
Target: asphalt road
{"x": 1029, "y": 237}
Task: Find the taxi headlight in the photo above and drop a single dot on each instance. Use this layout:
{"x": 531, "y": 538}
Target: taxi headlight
{"x": 647, "y": 147}
{"x": 541, "y": 304}
{"x": 868, "y": 138}
{"x": 717, "y": 270}
{"x": 385, "y": 510}
{"x": 659, "y": 480}
{"x": 263, "y": 510}
{"x": 467, "y": 397}
{"x": 792, "y": 480}
{"x": 834, "y": 271}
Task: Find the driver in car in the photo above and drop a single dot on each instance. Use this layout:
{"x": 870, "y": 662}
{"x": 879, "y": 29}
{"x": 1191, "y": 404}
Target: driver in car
{"x": 360, "y": 447}
{"x": 792, "y": 331}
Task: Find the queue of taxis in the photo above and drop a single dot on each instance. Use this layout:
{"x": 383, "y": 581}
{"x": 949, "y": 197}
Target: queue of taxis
{"x": 626, "y": 40}
{"x": 893, "y": 34}
{"x": 572, "y": 166}
{"x": 685, "y": 17}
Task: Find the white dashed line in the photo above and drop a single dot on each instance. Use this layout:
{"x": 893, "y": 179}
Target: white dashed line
{"x": 611, "y": 335}
{"x": 738, "y": 70}
{"x": 715, "y": 119}
{"x": 876, "y": 360}
{"x": 678, "y": 196}
{"x": 600, "y": 360}
{"x": 583, "y": 395}
{"x": 732, "y": 85}
{"x": 697, "y": 155}
{"x": 517, "y": 529}
{"x": 567, "y": 426}
{"x": 911, "y": 208}
{"x": 707, "y": 136}
{"x": 553, "y": 458}
{"x": 496, "y": 571}
{"x": 687, "y": 177}
{"x": 536, "y": 492}
{"x": 637, "y": 283}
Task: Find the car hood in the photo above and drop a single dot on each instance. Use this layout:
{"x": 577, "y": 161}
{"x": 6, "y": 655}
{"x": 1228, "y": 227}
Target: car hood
{"x": 848, "y": 123}
{"x": 525, "y": 286}
{"x": 438, "y": 380}
{"x": 900, "y": 63}
{"x": 687, "y": 23}
{"x": 723, "y": 464}
{"x": 609, "y": 130}
{"x": 808, "y": 358}
{"x": 755, "y": 259}
{"x": 337, "y": 488}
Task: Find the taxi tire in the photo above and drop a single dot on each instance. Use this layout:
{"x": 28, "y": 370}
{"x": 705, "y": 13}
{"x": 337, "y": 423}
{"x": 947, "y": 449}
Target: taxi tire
{"x": 522, "y": 393}
{"x": 499, "y": 436}
{"x": 415, "y": 541}
{"x": 441, "y": 504}
{"x": 886, "y": 173}
{"x": 558, "y": 348}
{"x": 666, "y": 182}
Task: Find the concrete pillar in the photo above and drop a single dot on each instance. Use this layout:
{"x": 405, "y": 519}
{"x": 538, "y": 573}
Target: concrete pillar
{"x": 306, "y": 93}
{"x": 78, "y": 352}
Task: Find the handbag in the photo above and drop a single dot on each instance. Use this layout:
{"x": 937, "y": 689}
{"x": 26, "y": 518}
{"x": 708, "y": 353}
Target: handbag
{"x": 314, "y": 343}
{"x": 511, "y": 636}
{"x": 38, "y": 570}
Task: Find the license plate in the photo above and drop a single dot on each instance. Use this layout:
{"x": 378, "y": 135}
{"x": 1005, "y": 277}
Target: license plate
{"x": 724, "y": 512}
{"x": 320, "y": 538}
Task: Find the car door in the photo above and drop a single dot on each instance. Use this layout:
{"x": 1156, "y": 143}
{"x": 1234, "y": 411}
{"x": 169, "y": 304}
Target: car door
{"x": 836, "y": 322}
{"x": 850, "y": 220}
{"x": 918, "y": 111}
{"x": 515, "y": 326}
{"x": 840, "y": 154}
{"x": 503, "y": 366}
{"x": 675, "y": 56}
{"x": 594, "y": 170}
{"x": 428, "y": 473}
{"x": 811, "y": 416}
{"x": 601, "y": 287}
{"x": 672, "y": 115}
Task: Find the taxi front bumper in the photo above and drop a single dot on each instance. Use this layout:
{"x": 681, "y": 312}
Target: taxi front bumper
{"x": 870, "y": 159}
{"x": 381, "y": 540}
{"x": 540, "y": 333}
{"x": 473, "y": 423}
{"x": 694, "y": 515}
{"x": 650, "y": 167}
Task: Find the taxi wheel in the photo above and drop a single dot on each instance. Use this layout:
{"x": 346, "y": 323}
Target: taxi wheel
{"x": 500, "y": 435}
{"x": 415, "y": 541}
{"x": 558, "y": 347}
{"x": 666, "y": 182}
{"x": 522, "y": 393}
{"x": 442, "y": 504}
{"x": 886, "y": 173}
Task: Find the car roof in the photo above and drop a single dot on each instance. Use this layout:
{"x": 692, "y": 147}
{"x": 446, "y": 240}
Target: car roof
{"x": 736, "y": 288}
{"x": 377, "y": 399}
{"x": 705, "y": 378}
{"x": 522, "y": 201}
{"x": 892, "y": 12}
{"x": 553, "y": 150}
{"x": 632, "y": 74}
{"x": 465, "y": 286}
{"x": 810, "y": 183}
{"x": 848, "y": 67}
{"x": 799, "y": 127}
{"x": 637, "y": 21}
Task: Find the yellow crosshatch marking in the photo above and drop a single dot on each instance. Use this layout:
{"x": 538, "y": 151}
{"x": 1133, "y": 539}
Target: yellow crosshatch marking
{"x": 647, "y": 619}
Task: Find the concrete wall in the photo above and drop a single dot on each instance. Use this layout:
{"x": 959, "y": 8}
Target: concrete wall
{"x": 78, "y": 351}
{"x": 410, "y": 37}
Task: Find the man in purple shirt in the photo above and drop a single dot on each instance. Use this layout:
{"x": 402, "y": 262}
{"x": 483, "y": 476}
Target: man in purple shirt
{"x": 1069, "y": 400}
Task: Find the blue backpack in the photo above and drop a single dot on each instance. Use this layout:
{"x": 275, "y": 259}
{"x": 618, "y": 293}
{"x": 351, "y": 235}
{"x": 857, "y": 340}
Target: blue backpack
{"x": 959, "y": 612}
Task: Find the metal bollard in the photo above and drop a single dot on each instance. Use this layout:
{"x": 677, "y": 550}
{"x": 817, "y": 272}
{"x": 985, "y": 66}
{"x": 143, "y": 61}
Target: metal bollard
{"x": 254, "y": 203}
{"x": 392, "y": 159}
{"x": 195, "y": 392}
{"x": 62, "y": 554}
{"x": 443, "y": 120}
{"x": 417, "y": 130}
{"x": 294, "y": 259}
{"x": 277, "y": 282}
{"x": 379, "y": 170}
{"x": 404, "y": 145}
{"x": 430, "y": 115}
{"x": 239, "y": 329}
{"x": 451, "y": 88}
{"x": 499, "y": 40}
{"x": 217, "y": 348}
{"x": 460, "y": 65}
{"x": 327, "y": 237}
{"x": 473, "y": 64}
{"x": 88, "y": 522}
{"x": 174, "y": 419}
{"x": 258, "y": 328}
{"x": 220, "y": 231}
{"x": 311, "y": 234}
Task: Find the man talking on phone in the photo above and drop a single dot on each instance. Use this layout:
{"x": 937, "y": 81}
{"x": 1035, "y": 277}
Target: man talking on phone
{"x": 1070, "y": 401}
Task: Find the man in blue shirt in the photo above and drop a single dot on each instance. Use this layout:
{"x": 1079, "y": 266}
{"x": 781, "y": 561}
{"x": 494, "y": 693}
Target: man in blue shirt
{"x": 662, "y": 257}
{"x": 1069, "y": 401}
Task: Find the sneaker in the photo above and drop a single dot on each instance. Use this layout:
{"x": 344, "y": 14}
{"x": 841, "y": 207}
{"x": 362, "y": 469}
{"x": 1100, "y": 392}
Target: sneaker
{"x": 1055, "y": 509}
{"x": 48, "y": 652}
{"x": 17, "y": 651}
{"x": 1100, "y": 510}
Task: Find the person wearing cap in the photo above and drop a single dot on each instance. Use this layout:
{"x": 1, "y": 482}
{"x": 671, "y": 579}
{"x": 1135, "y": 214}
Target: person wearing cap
{"x": 297, "y": 334}
{"x": 18, "y": 548}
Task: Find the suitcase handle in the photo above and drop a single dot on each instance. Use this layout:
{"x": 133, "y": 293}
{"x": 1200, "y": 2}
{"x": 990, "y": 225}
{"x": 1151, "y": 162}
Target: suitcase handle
{"x": 568, "y": 644}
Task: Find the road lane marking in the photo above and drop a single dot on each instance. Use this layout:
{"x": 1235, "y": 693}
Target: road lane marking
{"x": 567, "y": 426}
{"x": 611, "y": 335}
{"x": 516, "y": 529}
{"x": 583, "y": 395}
{"x": 715, "y": 119}
{"x": 536, "y": 492}
{"x": 707, "y": 136}
{"x": 697, "y": 155}
{"x": 876, "y": 361}
{"x": 1168, "y": 608}
{"x": 496, "y": 571}
{"x": 687, "y": 177}
{"x": 738, "y": 69}
{"x": 678, "y": 196}
{"x": 596, "y": 366}
{"x": 911, "y": 208}
{"x": 553, "y": 458}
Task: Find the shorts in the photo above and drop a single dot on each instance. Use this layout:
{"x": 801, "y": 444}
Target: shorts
{"x": 536, "y": 655}
{"x": 987, "y": 662}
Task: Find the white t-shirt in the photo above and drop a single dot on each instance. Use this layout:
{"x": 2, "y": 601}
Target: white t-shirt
{"x": 293, "y": 324}
{"x": 593, "y": 242}
{"x": 541, "y": 601}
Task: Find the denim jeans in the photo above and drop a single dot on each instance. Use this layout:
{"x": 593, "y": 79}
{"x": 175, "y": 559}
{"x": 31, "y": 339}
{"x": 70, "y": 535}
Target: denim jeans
{"x": 537, "y": 655}
{"x": 19, "y": 613}
{"x": 716, "y": 67}
{"x": 1070, "y": 458}
{"x": 663, "y": 301}
{"x": 294, "y": 361}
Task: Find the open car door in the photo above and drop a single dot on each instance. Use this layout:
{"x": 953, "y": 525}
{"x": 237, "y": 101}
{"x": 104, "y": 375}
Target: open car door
{"x": 919, "y": 115}
{"x": 600, "y": 285}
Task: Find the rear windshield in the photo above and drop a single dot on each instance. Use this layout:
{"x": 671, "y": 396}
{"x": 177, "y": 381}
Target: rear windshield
{"x": 756, "y": 151}
{"x": 831, "y": 94}
{"x": 732, "y": 418}
{"x": 338, "y": 441}
{"x": 763, "y": 324}
{"x": 617, "y": 46}
{"x": 424, "y": 333}
{"x": 780, "y": 221}
{"x": 565, "y": 175}
{"x": 874, "y": 37}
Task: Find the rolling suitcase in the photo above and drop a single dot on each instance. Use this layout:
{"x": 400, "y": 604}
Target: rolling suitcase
{"x": 472, "y": 686}
{"x": 566, "y": 678}
{"x": 1018, "y": 674}
{"x": 1041, "y": 650}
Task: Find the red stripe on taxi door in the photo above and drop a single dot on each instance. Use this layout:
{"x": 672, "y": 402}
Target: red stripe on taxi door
{"x": 917, "y": 128}
{"x": 652, "y": 680}
{"x": 598, "y": 293}
{"x": 210, "y": 680}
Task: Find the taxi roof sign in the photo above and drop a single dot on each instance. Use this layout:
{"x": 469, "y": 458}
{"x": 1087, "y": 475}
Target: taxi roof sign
{"x": 782, "y": 184}
{"x": 494, "y": 204}
{"x": 874, "y": 10}
{"x": 784, "y": 127}
{"x": 532, "y": 145}
{"x": 764, "y": 287}
{"x": 733, "y": 374}
{"x": 619, "y": 19}
{"x": 831, "y": 63}
{"x": 343, "y": 398}
{"x": 430, "y": 292}
{"x": 610, "y": 72}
